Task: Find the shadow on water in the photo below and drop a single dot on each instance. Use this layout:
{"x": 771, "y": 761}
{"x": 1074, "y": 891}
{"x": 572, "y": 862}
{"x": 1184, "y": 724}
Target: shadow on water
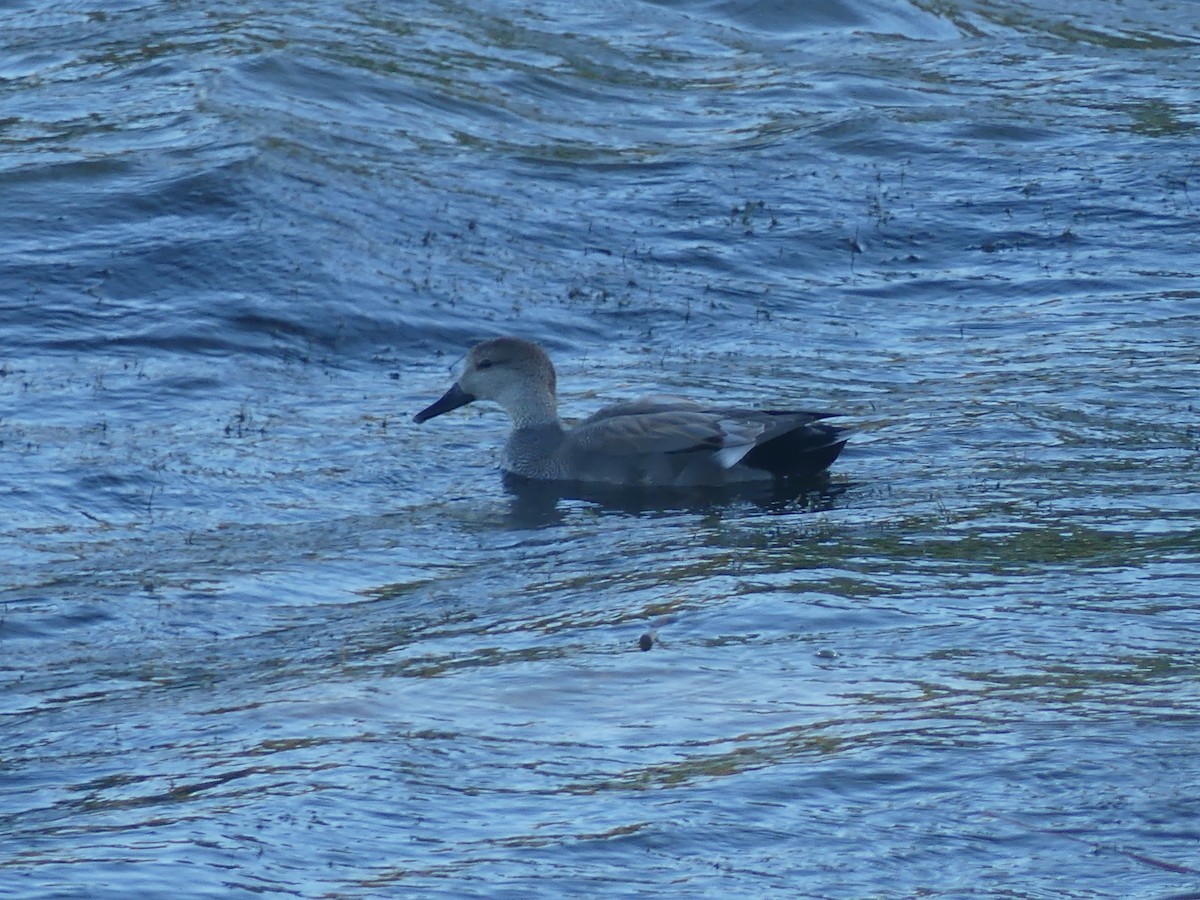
{"x": 538, "y": 504}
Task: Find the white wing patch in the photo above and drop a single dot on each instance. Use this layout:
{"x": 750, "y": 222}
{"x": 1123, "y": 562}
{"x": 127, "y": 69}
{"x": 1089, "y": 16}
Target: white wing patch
{"x": 740, "y": 437}
{"x": 731, "y": 454}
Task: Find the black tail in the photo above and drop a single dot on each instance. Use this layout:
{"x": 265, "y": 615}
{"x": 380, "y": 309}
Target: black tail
{"x": 802, "y": 452}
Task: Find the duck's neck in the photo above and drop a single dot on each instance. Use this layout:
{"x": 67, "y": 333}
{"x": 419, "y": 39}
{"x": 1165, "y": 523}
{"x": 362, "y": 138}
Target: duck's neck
{"x": 533, "y": 410}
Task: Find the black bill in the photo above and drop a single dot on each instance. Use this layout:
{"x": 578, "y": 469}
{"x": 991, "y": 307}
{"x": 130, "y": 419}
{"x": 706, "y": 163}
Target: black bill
{"x": 452, "y": 399}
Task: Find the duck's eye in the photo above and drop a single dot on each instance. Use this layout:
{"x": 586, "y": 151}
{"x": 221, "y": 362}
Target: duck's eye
{"x": 485, "y": 364}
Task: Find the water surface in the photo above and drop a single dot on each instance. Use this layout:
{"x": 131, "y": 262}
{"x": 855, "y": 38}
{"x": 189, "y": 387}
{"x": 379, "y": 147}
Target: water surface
{"x": 259, "y": 634}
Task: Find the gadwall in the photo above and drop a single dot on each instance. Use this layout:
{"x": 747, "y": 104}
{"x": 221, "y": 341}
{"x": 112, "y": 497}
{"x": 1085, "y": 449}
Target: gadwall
{"x": 662, "y": 441}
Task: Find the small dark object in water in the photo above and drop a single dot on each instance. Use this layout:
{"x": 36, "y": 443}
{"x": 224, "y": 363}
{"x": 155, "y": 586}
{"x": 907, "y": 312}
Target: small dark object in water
{"x": 646, "y": 641}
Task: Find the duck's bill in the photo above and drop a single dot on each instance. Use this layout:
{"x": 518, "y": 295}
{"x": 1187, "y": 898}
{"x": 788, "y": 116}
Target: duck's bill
{"x": 452, "y": 399}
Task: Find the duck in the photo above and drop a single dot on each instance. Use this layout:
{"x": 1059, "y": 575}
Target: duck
{"x": 655, "y": 441}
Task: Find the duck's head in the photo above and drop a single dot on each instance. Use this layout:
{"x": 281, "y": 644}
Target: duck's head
{"x": 513, "y": 372}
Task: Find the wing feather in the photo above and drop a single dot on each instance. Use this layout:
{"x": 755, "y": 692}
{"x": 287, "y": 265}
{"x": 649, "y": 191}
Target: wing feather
{"x": 676, "y": 431}
{"x": 675, "y": 425}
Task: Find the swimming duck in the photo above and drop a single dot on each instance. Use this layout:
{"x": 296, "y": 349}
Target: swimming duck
{"x": 655, "y": 441}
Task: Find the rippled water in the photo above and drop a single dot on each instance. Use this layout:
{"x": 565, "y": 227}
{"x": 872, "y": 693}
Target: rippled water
{"x": 259, "y": 634}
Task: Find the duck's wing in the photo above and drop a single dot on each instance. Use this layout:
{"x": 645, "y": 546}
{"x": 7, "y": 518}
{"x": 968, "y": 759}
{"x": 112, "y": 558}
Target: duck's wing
{"x": 642, "y": 406}
{"x": 640, "y": 433}
{"x": 667, "y": 403}
{"x": 667, "y": 425}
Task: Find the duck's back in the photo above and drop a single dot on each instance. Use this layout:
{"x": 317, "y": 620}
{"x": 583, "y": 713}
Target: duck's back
{"x": 673, "y": 441}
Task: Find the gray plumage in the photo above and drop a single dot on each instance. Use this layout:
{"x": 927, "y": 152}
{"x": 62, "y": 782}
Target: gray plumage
{"x": 661, "y": 441}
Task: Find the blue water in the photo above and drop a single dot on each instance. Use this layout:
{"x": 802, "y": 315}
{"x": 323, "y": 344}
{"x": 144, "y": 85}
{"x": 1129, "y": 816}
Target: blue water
{"x": 260, "y": 634}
